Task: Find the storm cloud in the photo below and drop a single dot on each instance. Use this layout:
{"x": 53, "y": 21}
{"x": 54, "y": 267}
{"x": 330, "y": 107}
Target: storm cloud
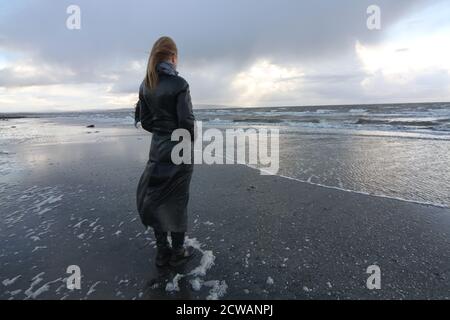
{"x": 307, "y": 48}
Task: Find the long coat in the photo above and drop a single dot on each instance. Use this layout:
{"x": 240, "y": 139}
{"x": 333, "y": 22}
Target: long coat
{"x": 163, "y": 190}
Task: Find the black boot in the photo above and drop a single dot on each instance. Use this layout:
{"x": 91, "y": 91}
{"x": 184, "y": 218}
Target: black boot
{"x": 180, "y": 253}
{"x": 164, "y": 252}
{"x": 163, "y": 256}
{"x": 181, "y": 256}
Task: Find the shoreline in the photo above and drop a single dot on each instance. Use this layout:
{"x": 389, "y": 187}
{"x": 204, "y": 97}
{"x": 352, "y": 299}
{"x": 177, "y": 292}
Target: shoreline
{"x": 431, "y": 204}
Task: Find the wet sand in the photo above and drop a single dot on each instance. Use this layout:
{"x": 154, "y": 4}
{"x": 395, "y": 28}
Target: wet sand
{"x": 269, "y": 237}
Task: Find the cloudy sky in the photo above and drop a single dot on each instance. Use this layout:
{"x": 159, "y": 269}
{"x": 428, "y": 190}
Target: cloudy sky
{"x": 235, "y": 53}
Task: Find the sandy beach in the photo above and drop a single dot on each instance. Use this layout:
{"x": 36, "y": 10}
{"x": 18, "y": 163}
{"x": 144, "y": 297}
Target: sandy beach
{"x": 257, "y": 237}
{"x": 301, "y": 149}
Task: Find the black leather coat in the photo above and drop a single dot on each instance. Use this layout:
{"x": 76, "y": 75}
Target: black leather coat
{"x": 167, "y": 107}
{"x": 163, "y": 190}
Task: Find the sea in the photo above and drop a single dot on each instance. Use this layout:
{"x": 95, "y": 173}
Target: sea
{"x": 399, "y": 151}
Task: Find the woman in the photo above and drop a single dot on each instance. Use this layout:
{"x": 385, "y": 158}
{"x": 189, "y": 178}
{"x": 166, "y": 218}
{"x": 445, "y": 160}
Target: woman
{"x": 163, "y": 191}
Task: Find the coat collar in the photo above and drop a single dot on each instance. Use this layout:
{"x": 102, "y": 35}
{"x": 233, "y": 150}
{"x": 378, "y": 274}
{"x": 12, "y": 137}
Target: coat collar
{"x": 166, "y": 68}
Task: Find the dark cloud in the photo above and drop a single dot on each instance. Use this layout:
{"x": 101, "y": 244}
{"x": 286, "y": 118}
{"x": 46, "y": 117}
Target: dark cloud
{"x": 113, "y": 30}
{"x": 220, "y": 35}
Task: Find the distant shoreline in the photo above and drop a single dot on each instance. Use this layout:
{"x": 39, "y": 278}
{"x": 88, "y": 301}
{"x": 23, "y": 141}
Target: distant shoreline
{"x": 29, "y": 114}
{"x": 5, "y": 117}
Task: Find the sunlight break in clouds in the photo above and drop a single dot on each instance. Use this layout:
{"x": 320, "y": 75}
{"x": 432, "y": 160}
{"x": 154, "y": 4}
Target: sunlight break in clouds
{"x": 414, "y": 57}
{"x": 264, "y": 79}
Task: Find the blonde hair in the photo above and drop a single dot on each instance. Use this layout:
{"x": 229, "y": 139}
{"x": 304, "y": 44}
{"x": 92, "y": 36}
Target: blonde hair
{"x": 163, "y": 49}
